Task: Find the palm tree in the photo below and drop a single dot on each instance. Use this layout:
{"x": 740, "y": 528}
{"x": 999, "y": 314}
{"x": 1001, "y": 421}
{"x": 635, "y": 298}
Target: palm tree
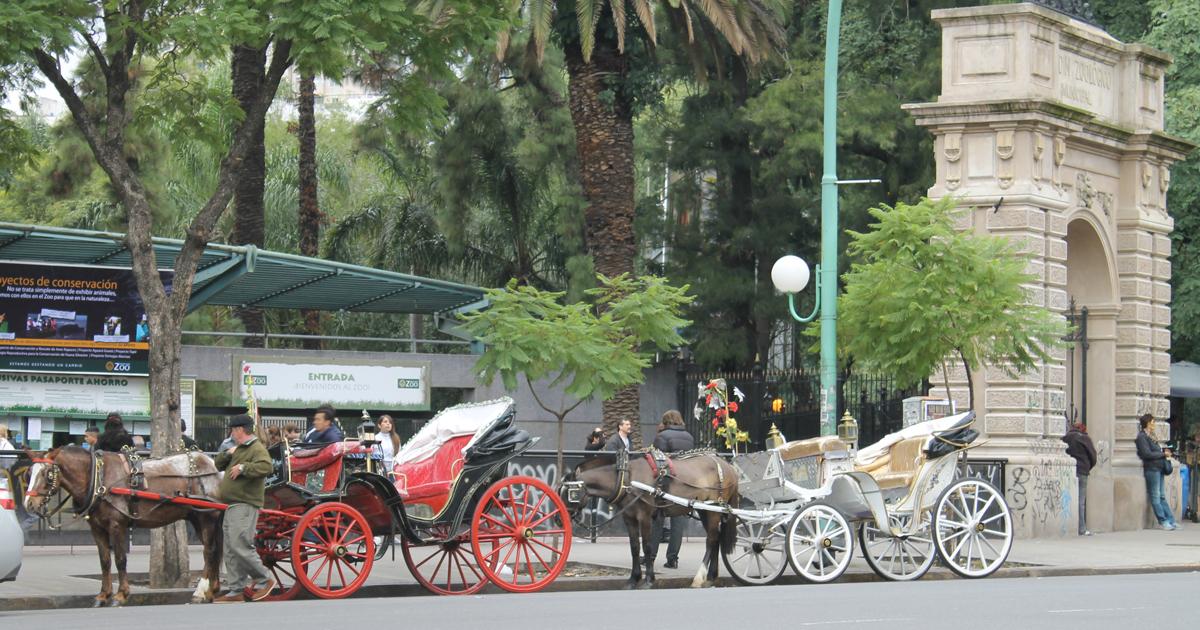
{"x": 602, "y": 108}
{"x": 310, "y": 210}
{"x": 248, "y": 67}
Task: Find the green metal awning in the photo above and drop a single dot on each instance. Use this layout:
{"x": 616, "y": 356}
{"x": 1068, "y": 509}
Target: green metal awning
{"x": 247, "y": 276}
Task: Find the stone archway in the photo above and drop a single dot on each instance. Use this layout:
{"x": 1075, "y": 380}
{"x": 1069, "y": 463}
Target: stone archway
{"x": 1092, "y": 287}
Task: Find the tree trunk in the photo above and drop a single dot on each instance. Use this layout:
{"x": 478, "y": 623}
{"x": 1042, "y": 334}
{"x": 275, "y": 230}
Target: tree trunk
{"x": 310, "y": 210}
{"x": 248, "y": 68}
{"x": 105, "y": 135}
{"x": 604, "y": 146}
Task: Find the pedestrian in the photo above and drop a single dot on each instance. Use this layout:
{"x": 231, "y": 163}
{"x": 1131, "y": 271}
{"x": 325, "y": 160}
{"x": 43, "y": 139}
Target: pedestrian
{"x": 1080, "y": 446}
{"x": 246, "y": 466}
{"x": 673, "y": 438}
{"x": 115, "y": 437}
{"x": 189, "y": 444}
{"x": 595, "y": 441}
{"x": 6, "y": 461}
{"x": 1154, "y": 461}
{"x": 389, "y": 442}
{"x": 1191, "y": 455}
{"x": 90, "y": 436}
{"x": 291, "y": 433}
{"x": 325, "y": 429}
{"x": 620, "y": 440}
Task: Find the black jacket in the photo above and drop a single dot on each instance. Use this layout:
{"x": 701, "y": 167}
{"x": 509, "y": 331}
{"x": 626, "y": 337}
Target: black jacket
{"x": 615, "y": 443}
{"x": 673, "y": 440}
{"x": 112, "y": 441}
{"x": 1079, "y": 446}
{"x": 1149, "y": 451}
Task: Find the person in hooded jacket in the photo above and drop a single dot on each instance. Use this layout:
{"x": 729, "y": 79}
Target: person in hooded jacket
{"x": 1080, "y": 446}
{"x": 115, "y": 436}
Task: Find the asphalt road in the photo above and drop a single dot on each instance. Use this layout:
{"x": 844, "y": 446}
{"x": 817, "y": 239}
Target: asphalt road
{"x": 1119, "y": 602}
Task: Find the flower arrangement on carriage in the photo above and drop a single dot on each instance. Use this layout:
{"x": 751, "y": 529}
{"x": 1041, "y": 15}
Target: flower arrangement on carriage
{"x": 714, "y": 406}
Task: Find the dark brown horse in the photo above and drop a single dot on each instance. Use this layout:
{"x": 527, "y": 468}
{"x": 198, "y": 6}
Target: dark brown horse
{"x": 88, "y": 478}
{"x": 695, "y": 475}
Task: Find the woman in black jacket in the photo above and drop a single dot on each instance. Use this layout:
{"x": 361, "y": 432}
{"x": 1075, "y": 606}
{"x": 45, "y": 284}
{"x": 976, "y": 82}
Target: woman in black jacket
{"x": 114, "y": 436}
{"x": 1153, "y": 458}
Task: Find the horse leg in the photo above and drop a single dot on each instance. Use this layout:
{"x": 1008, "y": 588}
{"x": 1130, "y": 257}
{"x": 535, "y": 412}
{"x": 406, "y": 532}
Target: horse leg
{"x": 650, "y": 536}
{"x": 631, "y": 525}
{"x": 209, "y": 529}
{"x": 119, "y": 538}
{"x": 102, "y": 546}
{"x": 707, "y": 572}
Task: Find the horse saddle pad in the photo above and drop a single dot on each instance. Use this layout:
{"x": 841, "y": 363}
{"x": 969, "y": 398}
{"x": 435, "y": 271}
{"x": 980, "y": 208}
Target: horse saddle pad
{"x": 432, "y": 476}
{"x": 169, "y": 474}
{"x": 314, "y": 459}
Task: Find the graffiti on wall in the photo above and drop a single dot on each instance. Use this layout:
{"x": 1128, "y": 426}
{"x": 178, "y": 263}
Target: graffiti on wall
{"x": 547, "y": 472}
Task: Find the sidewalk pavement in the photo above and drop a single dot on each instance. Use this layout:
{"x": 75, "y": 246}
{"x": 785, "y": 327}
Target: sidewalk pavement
{"x": 67, "y": 576}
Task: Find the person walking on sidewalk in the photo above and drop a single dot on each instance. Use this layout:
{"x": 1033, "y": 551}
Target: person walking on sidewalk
{"x": 1079, "y": 446}
{"x": 246, "y": 466}
{"x": 1153, "y": 466}
{"x": 674, "y": 438}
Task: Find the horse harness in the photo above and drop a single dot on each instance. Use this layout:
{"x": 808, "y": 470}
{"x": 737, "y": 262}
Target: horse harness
{"x": 662, "y": 466}
{"x": 95, "y": 489}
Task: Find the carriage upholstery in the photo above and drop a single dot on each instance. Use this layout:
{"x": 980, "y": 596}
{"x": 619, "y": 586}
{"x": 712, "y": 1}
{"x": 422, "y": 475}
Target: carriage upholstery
{"x": 899, "y": 466}
{"x": 320, "y": 468}
{"x": 429, "y": 480}
{"x": 810, "y": 447}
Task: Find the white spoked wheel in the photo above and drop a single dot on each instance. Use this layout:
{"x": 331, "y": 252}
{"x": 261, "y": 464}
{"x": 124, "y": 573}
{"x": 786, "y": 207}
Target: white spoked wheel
{"x": 972, "y": 528}
{"x": 819, "y": 543}
{"x": 898, "y": 558}
{"x": 760, "y": 554}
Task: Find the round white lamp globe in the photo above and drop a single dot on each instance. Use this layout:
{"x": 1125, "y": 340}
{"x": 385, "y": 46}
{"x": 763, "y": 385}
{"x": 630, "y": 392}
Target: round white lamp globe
{"x": 790, "y": 274}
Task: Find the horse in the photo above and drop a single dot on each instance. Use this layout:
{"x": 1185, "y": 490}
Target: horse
{"x": 698, "y": 475}
{"x": 89, "y": 476}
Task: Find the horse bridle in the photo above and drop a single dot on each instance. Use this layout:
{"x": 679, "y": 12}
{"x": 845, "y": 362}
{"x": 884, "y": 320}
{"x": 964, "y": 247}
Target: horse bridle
{"x": 53, "y": 474}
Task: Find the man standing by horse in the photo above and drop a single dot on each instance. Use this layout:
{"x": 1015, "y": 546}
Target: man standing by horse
{"x": 620, "y": 440}
{"x": 674, "y": 438}
{"x": 246, "y": 467}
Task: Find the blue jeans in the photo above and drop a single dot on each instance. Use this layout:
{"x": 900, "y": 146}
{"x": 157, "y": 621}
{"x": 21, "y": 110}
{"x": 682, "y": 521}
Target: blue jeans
{"x": 1158, "y": 502}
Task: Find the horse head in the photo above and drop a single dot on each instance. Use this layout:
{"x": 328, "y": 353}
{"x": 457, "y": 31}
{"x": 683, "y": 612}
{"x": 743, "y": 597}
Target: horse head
{"x": 44, "y": 481}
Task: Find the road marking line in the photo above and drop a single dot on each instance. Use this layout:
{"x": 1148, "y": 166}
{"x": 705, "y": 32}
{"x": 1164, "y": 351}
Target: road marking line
{"x": 839, "y": 622}
{"x": 1076, "y": 610}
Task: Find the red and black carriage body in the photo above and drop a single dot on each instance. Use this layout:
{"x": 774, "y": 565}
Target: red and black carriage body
{"x": 460, "y": 520}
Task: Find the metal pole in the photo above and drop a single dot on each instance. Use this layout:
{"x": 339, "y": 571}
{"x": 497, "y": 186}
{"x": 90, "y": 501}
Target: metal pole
{"x": 829, "y": 226}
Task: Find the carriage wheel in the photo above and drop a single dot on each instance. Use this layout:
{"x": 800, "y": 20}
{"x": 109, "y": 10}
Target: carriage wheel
{"x": 972, "y": 528}
{"x": 445, "y": 568}
{"x": 900, "y": 558}
{"x": 819, "y": 543}
{"x": 760, "y": 554}
{"x": 276, "y": 555}
{"x": 328, "y": 550}
{"x": 521, "y": 534}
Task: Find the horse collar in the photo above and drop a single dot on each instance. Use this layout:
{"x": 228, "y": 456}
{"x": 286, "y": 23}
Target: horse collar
{"x": 622, "y": 475}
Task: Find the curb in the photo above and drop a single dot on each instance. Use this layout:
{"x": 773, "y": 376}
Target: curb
{"x": 567, "y": 585}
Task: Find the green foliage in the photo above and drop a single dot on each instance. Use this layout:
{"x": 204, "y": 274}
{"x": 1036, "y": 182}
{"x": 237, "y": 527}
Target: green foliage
{"x": 593, "y": 349}
{"x": 920, "y": 291}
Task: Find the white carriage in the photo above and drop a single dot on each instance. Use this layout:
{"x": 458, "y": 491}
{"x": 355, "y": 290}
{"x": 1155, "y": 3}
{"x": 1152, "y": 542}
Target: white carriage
{"x": 802, "y": 501}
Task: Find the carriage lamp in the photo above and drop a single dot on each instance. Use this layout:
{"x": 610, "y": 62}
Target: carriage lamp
{"x": 847, "y": 430}
{"x": 367, "y": 429}
{"x": 774, "y": 438}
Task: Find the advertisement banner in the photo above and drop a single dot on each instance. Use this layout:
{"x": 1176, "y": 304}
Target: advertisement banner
{"x": 345, "y": 385}
{"x": 61, "y": 318}
{"x": 74, "y": 395}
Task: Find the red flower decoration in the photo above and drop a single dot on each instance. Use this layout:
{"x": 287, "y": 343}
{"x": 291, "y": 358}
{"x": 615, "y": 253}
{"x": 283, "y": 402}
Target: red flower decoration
{"x": 733, "y": 407}
{"x": 715, "y": 423}
{"x": 720, "y": 413}
{"x": 708, "y": 399}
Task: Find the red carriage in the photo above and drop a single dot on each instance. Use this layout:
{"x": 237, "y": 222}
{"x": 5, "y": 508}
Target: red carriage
{"x": 461, "y": 520}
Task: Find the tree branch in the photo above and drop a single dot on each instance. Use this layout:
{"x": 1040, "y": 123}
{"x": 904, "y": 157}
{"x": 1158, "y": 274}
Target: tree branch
{"x": 96, "y": 52}
{"x": 87, "y": 125}
{"x": 200, "y": 229}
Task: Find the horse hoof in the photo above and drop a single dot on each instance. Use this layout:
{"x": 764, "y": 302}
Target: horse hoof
{"x": 645, "y": 585}
{"x": 116, "y": 603}
{"x": 98, "y": 603}
{"x": 629, "y": 585}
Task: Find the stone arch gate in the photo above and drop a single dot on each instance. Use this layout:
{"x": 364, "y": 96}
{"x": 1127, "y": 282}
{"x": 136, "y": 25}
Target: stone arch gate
{"x": 1049, "y": 131}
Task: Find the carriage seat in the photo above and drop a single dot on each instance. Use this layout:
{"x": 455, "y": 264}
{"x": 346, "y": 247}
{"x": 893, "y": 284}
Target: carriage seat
{"x": 899, "y": 466}
{"x": 314, "y": 459}
{"x": 810, "y": 447}
{"x": 431, "y": 476}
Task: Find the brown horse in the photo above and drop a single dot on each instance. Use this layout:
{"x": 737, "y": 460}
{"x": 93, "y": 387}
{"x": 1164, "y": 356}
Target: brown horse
{"x": 695, "y": 475}
{"x": 88, "y": 478}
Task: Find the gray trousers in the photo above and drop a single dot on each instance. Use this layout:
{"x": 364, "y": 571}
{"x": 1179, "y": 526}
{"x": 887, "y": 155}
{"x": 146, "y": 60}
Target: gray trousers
{"x": 1082, "y": 504}
{"x": 243, "y": 567}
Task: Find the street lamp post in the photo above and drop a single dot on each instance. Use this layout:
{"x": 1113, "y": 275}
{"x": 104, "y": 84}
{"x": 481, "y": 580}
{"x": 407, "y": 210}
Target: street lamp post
{"x": 827, "y": 270}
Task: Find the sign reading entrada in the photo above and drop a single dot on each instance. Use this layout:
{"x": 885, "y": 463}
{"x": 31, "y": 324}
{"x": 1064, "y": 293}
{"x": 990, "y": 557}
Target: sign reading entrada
{"x": 300, "y": 385}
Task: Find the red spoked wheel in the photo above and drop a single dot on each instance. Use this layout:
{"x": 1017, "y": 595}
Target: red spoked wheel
{"x": 273, "y": 541}
{"x": 445, "y": 568}
{"x": 332, "y": 550}
{"x": 521, "y": 534}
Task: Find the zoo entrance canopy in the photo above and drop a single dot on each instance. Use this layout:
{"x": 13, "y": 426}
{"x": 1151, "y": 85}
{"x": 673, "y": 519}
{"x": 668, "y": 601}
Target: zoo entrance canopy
{"x": 244, "y": 275}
